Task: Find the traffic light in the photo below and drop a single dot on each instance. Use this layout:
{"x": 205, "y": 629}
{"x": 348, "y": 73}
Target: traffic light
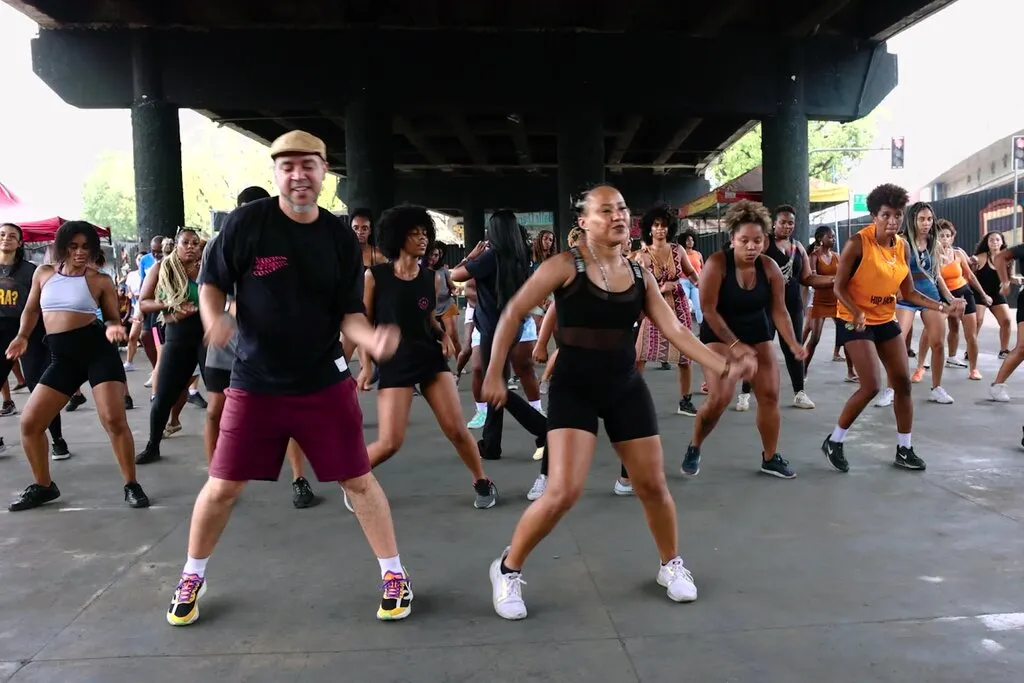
{"x": 1018, "y": 152}
{"x": 897, "y": 152}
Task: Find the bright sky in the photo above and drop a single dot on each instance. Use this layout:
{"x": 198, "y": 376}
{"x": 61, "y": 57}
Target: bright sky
{"x": 956, "y": 94}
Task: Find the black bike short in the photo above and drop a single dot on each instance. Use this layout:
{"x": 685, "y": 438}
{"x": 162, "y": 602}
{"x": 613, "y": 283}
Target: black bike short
{"x": 79, "y": 355}
{"x": 216, "y": 379}
{"x": 623, "y": 402}
{"x": 967, "y": 294}
{"x": 879, "y": 334}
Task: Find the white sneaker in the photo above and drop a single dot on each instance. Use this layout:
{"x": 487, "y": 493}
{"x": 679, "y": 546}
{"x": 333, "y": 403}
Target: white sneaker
{"x": 507, "y": 591}
{"x": 997, "y": 392}
{"x": 802, "y": 400}
{"x": 743, "y": 403}
{"x": 149, "y": 382}
{"x": 128, "y": 367}
{"x": 885, "y": 398}
{"x": 954, "y": 362}
{"x": 539, "y": 484}
{"x": 678, "y": 580}
{"x": 939, "y": 395}
{"x": 621, "y": 489}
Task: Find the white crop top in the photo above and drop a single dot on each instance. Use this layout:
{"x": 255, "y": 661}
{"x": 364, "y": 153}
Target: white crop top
{"x": 67, "y": 293}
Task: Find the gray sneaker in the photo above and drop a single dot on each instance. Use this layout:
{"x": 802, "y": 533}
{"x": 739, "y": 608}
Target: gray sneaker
{"x": 486, "y": 494}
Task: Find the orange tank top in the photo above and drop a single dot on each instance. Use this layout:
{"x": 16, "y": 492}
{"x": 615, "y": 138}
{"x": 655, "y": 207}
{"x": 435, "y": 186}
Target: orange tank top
{"x": 876, "y": 281}
{"x": 953, "y": 274}
{"x": 696, "y": 260}
{"x": 826, "y": 296}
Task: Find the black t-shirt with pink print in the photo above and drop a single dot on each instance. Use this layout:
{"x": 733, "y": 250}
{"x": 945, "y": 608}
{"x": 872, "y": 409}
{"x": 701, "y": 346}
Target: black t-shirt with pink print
{"x": 294, "y": 284}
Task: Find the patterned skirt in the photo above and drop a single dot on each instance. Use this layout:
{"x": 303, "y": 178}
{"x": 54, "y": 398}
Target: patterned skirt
{"x": 651, "y": 344}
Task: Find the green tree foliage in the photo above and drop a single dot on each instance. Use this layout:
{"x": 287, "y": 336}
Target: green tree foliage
{"x": 217, "y": 163}
{"x": 108, "y": 195}
{"x": 745, "y": 154}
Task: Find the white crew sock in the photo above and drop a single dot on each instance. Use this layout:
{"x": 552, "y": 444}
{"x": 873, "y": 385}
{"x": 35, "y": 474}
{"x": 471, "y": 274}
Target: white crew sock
{"x": 903, "y": 440}
{"x": 838, "y": 434}
{"x": 536, "y": 405}
{"x": 195, "y": 566}
{"x": 481, "y": 407}
{"x": 390, "y": 564}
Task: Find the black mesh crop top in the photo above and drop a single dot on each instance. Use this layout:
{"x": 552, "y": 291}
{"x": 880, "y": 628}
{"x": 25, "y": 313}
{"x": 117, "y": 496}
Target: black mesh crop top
{"x": 592, "y": 320}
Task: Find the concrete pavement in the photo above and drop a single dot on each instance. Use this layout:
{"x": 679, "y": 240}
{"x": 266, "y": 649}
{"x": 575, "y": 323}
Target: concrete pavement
{"x": 877, "y": 575}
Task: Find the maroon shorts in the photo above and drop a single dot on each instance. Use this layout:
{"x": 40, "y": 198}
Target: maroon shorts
{"x": 255, "y": 428}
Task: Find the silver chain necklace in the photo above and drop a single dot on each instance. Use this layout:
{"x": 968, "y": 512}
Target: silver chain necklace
{"x": 604, "y": 272}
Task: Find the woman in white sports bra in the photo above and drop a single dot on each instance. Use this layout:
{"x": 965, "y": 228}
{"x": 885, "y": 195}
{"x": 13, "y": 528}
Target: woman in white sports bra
{"x": 82, "y": 348}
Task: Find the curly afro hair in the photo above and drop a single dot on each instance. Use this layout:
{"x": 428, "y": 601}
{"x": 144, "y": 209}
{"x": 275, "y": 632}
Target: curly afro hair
{"x": 664, "y": 214}
{"x": 746, "y": 212}
{"x": 893, "y": 196}
{"x": 396, "y": 223}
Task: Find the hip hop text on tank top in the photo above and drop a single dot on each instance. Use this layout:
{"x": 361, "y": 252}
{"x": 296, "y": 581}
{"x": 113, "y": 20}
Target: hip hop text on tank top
{"x": 876, "y": 279}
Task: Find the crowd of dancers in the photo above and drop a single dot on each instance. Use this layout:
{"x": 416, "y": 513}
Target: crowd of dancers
{"x": 281, "y": 264}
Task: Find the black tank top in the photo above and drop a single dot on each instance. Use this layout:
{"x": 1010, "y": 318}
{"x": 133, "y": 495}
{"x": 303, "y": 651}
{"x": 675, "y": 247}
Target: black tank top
{"x": 595, "y": 326}
{"x": 791, "y": 266}
{"x": 409, "y": 304}
{"x": 988, "y": 278}
{"x": 745, "y": 311}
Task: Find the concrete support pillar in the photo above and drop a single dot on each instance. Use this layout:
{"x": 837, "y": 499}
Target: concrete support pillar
{"x": 473, "y": 227}
{"x": 369, "y": 157}
{"x": 580, "y": 162}
{"x": 784, "y": 147}
{"x": 156, "y": 144}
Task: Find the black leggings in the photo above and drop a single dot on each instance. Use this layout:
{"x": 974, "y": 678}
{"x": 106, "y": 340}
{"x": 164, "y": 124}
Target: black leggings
{"x": 531, "y": 420}
{"x": 795, "y": 367}
{"x": 33, "y": 362}
{"x": 182, "y": 350}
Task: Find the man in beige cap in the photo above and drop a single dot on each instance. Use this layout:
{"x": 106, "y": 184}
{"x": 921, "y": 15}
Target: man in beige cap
{"x": 299, "y": 274}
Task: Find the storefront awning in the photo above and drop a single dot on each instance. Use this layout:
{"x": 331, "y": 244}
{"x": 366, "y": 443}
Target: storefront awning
{"x": 750, "y": 186}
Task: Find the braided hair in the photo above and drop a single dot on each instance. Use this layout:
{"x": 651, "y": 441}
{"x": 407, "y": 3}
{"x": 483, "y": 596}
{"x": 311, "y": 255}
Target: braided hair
{"x": 172, "y": 280}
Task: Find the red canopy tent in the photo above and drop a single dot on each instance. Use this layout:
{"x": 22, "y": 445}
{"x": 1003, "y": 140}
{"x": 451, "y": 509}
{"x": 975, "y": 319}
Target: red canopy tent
{"x": 44, "y": 230}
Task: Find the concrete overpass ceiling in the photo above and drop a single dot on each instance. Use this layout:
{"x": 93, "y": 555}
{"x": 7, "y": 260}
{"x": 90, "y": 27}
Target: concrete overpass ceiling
{"x": 465, "y": 106}
{"x": 861, "y": 19}
{"x": 516, "y": 143}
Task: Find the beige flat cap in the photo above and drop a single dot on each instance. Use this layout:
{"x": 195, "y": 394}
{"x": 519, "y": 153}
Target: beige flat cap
{"x": 298, "y": 142}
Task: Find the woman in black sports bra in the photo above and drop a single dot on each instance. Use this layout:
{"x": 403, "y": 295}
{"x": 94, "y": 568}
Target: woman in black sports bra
{"x": 598, "y": 297}
{"x": 739, "y": 287}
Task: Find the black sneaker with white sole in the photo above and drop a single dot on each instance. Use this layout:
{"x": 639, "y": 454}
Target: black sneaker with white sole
{"x": 833, "y": 450}
{"x": 59, "y": 449}
{"x": 907, "y": 459}
{"x": 777, "y": 467}
{"x": 486, "y": 494}
{"x": 686, "y": 407}
{"x": 691, "y": 461}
